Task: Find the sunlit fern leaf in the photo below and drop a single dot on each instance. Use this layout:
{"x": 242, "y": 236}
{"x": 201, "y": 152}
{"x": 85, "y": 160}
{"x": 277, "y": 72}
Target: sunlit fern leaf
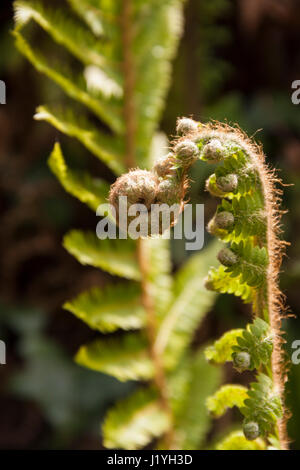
{"x": 226, "y": 397}
{"x": 135, "y": 421}
{"x": 125, "y": 358}
{"x": 221, "y": 350}
{"x": 114, "y": 256}
{"x": 103, "y": 146}
{"x": 193, "y": 381}
{"x": 191, "y": 302}
{"x": 74, "y": 86}
{"x": 110, "y": 308}
{"x": 221, "y": 281}
{"x": 159, "y": 25}
{"x": 93, "y": 13}
{"x": 159, "y": 274}
{"x": 65, "y": 30}
{"x": 91, "y": 191}
{"x": 237, "y": 441}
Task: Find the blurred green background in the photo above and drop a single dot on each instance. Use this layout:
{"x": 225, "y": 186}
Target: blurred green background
{"x": 236, "y": 62}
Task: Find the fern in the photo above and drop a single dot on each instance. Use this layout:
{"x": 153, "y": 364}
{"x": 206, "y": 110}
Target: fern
{"x": 90, "y": 191}
{"x": 135, "y": 421}
{"x": 125, "y": 358}
{"x": 113, "y": 55}
{"x": 114, "y": 307}
{"x": 114, "y": 256}
{"x": 248, "y": 219}
{"x": 221, "y": 351}
{"x": 188, "y": 394}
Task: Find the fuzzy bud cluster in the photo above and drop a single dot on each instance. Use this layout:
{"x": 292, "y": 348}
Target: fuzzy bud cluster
{"x": 150, "y": 190}
{"x": 139, "y": 186}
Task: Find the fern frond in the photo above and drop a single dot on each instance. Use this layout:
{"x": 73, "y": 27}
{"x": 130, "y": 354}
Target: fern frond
{"x": 67, "y": 31}
{"x": 114, "y": 256}
{"x": 103, "y": 146}
{"x": 135, "y": 421}
{"x": 226, "y": 397}
{"x": 221, "y": 351}
{"x": 110, "y": 308}
{"x": 237, "y": 441}
{"x": 248, "y": 217}
{"x": 75, "y": 87}
{"x": 99, "y": 15}
{"x": 91, "y": 191}
{"x": 191, "y": 302}
{"x": 191, "y": 417}
{"x": 159, "y": 25}
{"x": 125, "y": 358}
{"x": 159, "y": 277}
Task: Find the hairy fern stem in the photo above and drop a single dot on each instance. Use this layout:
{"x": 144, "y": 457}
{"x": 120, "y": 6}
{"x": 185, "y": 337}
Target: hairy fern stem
{"x": 268, "y": 300}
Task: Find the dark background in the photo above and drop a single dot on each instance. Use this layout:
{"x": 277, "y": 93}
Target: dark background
{"x": 237, "y": 61}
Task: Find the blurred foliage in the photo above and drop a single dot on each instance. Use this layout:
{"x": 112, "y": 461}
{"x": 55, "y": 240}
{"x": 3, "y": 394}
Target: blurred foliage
{"x": 70, "y": 397}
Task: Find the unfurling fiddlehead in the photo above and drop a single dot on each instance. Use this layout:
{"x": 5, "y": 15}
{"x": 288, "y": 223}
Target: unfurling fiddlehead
{"x": 248, "y": 220}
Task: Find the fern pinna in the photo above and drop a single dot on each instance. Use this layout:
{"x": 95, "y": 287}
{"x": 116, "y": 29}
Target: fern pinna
{"x": 114, "y": 71}
{"x": 248, "y": 220}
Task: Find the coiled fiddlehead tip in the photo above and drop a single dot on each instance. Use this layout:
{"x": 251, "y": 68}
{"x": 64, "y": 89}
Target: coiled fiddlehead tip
{"x": 186, "y": 126}
{"x": 241, "y": 361}
{"x": 228, "y": 183}
{"x": 164, "y": 166}
{"x": 251, "y": 430}
{"x": 227, "y": 257}
{"x": 213, "y": 151}
{"x": 139, "y": 186}
{"x": 187, "y": 152}
{"x": 224, "y": 220}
